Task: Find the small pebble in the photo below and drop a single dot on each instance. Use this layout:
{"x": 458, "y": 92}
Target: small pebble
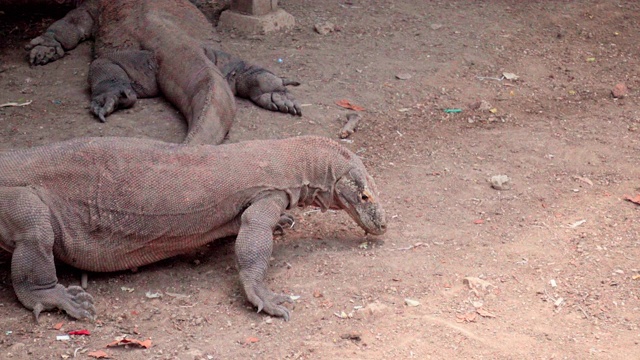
{"x": 619, "y": 91}
{"x": 403, "y": 76}
{"x": 324, "y": 28}
{"x": 500, "y": 182}
{"x": 411, "y": 302}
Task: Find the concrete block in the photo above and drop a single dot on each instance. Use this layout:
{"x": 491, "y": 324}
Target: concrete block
{"x": 254, "y": 7}
{"x": 250, "y": 24}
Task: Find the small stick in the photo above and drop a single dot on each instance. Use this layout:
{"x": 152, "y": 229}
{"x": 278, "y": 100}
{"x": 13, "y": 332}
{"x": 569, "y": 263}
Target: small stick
{"x": 84, "y": 280}
{"x": 416, "y": 245}
{"x": 15, "y": 104}
{"x": 350, "y": 127}
{"x": 490, "y": 78}
{"x": 586, "y": 315}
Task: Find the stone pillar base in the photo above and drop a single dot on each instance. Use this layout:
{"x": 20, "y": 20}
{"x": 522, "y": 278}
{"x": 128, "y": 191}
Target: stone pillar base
{"x": 250, "y": 24}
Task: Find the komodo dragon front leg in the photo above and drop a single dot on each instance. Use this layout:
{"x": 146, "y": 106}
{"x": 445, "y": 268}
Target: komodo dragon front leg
{"x": 26, "y": 230}
{"x": 64, "y": 34}
{"x": 253, "y": 82}
{"x": 253, "y": 250}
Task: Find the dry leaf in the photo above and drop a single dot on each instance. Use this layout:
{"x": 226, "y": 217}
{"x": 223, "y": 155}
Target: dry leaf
{"x": 251, "y": 340}
{"x": 145, "y": 344}
{"x": 465, "y": 318}
{"x": 477, "y": 285}
{"x": 58, "y": 326}
{"x": 635, "y": 200}
{"x": 484, "y": 313}
{"x": 348, "y": 105}
{"x": 98, "y": 354}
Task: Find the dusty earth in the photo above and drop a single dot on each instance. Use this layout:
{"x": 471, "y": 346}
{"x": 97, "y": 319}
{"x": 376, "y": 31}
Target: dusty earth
{"x": 558, "y": 247}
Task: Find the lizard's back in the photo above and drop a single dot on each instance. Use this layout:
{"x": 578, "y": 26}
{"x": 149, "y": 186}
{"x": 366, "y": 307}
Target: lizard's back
{"x": 143, "y": 24}
{"x": 122, "y": 203}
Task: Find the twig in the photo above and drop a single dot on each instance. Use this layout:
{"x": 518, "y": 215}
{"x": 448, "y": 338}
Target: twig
{"x": 416, "y": 245}
{"x": 16, "y": 104}
{"x": 350, "y": 127}
{"x": 549, "y": 296}
{"x": 489, "y": 78}
{"x": 84, "y": 280}
{"x": 586, "y": 315}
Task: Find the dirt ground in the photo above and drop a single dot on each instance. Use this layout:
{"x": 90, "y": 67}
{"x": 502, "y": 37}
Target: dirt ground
{"x": 553, "y": 256}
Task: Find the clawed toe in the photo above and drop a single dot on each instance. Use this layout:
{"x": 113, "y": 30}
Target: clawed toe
{"x": 269, "y": 302}
{"x": 281, "y": 101}
{"x": 104, "y": 104}
{"x": 73, "y": 300}
{"x": 285, "y": 221}
{"x": 81, "y": 303}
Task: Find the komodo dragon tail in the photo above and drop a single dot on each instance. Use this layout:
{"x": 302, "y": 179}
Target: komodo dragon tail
{"x": 195, "y": 85}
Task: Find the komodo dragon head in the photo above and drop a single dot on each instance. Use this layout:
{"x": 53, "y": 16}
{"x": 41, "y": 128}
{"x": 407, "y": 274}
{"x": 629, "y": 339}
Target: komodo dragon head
{"x": 356, "y": 193}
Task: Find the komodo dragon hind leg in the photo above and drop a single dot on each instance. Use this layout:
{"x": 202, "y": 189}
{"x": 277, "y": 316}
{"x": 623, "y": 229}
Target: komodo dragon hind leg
{"x": 253, "y": 250}
{"x": 117, "y": 79}
{"x": 258, "y": 84}
{"x": 25, "y": 226}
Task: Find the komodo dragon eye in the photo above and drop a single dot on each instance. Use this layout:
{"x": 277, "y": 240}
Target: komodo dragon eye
{"x": 366, "y": 195}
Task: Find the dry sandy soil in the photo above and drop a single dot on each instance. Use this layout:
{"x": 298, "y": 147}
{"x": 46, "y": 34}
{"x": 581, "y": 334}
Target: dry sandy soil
{"x": 558, "y": 248}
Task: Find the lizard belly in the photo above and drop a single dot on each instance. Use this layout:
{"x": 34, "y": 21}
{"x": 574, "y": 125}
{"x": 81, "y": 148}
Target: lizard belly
{"x": 111, "y": 241}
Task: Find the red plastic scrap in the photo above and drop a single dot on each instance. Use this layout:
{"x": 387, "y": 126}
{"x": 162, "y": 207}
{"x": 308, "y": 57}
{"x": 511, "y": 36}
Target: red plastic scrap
{"x": 80, "y": 332}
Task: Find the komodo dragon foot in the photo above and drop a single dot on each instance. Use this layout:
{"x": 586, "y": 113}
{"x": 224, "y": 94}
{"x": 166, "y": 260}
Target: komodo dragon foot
{"x": 268, "y": 301}
{"x": 270, "y": 92}
{"x": 44, "y": 49}
{"x": 281, "y": 101}
{"x": 256, "y": 83}
{"x": 73, "y": 299}
{"x": 105, "y": 103}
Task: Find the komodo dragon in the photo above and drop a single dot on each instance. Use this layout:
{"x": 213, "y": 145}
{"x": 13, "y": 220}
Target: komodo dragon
{"x": 146, "y": 47}
{"x": 109, "y": 204}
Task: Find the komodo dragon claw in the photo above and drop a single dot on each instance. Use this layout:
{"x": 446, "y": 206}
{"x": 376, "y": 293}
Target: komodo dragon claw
{"x": 104, "y": 104}
{"x": 270, "y": 302}
{"x": 286, "y": 220}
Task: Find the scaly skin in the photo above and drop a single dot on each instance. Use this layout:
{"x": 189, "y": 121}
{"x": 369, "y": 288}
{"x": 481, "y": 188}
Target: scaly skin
{"x": 110, "y": 204}
{"x": 149, "y": 47}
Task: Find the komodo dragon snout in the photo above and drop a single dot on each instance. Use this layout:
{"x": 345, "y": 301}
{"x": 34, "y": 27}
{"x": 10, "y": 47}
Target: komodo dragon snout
{"x": 356, "y": 194}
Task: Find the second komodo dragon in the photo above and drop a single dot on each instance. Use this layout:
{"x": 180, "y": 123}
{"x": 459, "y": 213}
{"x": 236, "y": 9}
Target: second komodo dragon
{"x": 109, "y": 204}
{"x": 146, "y": 47}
